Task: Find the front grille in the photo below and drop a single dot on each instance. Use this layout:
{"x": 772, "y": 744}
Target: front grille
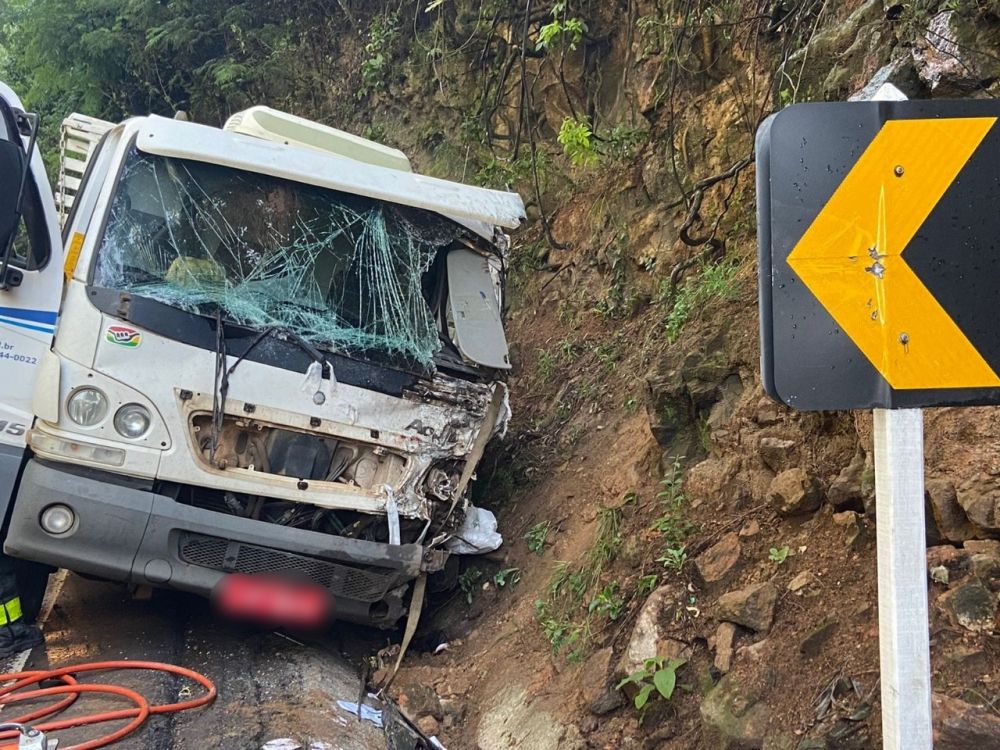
{"x": 237, "y": 557}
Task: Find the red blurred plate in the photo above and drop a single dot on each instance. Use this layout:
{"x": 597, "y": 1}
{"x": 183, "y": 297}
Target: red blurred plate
{"x": 274, "y": 602}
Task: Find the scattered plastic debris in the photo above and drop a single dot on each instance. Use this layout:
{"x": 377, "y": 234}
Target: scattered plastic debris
{"x": 367, "y": 713}
{"x": 441, "y": 647}
{"x": 436, "y": 743}
{"x": 284, "y": 743}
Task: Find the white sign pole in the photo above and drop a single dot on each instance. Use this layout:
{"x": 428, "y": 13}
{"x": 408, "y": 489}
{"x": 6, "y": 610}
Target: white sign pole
{"x": 903, "y": 628}
{"x": 904, "y": 641}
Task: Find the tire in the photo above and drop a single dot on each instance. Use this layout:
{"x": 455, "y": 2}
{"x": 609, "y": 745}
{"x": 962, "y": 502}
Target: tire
{"x": 32, "y": 580}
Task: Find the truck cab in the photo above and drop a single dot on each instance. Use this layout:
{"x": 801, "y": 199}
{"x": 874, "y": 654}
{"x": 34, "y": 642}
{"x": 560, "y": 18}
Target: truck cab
{"x": 278, "y": 351}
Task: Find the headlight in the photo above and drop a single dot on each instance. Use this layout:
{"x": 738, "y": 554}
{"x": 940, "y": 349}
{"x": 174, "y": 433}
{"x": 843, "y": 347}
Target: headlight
{"x": 87, "y": 407}
{"x": 132, "y": 420}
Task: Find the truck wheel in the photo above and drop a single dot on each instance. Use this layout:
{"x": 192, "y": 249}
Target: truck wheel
{"x": 32, "y": 580}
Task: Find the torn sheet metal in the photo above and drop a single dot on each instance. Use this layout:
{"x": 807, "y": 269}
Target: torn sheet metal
{"x": 476, "y": 310}
{"x": 164, "y": 137}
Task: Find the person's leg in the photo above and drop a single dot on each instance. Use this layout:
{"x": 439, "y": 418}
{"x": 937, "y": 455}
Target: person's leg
{"x": 15, "y": 634}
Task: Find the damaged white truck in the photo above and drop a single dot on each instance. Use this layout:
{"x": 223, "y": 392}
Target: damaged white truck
{"x": 267, "y": 349}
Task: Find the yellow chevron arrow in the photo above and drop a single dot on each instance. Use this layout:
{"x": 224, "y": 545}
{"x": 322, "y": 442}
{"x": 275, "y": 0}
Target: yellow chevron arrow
{"x": 851, "y": 255}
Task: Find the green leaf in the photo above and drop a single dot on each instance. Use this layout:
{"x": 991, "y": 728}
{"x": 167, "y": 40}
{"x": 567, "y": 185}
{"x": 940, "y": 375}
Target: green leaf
{"x": 642, "y": 697}
{"x": 665, "y": 680}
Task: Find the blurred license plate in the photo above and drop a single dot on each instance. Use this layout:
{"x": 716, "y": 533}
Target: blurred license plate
{"x": 274, "y": 602}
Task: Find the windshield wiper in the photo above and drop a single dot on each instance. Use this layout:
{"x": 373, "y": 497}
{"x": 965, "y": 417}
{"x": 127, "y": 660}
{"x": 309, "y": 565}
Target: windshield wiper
{"x": 222, "y": 373}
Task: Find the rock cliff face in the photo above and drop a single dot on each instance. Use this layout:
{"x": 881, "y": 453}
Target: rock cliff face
{"x": 664, "y": 516}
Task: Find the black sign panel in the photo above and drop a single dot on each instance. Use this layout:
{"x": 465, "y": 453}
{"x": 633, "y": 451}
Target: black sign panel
{"x": 879, "y": 232}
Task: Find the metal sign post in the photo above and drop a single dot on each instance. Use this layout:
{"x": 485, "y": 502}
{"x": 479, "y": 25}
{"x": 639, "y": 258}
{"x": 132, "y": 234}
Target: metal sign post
{"x": 903, "y": 635}
{"x": 877, "y": 227}
{"x": 901, "y": 541}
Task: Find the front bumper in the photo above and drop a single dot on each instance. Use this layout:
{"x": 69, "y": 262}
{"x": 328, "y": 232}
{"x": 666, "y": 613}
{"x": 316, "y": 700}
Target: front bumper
{"x": 131, "y": 534}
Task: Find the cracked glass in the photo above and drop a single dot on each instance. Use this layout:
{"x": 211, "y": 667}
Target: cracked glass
{"x": 342, "y": 271}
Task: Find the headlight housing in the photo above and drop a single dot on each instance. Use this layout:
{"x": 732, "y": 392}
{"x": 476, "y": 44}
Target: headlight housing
{"x": 132, "y": 421}
{"x": 87, "y": 406}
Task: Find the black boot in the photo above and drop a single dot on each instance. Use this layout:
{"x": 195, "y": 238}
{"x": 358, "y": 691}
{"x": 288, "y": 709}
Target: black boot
{"x": 15, "y": 634}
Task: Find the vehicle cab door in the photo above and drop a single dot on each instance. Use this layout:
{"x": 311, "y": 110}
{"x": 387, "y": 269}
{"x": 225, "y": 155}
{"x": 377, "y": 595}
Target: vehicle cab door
{"x": 32, "y": 284}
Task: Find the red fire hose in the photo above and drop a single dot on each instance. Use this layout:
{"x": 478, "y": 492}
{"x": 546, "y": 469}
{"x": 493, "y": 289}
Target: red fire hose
{"x": 71, "y": 690}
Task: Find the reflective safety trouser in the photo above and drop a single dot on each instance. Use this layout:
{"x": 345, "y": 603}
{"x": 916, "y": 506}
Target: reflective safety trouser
{"x": 10, "y": 611}
{"x": 10, "y": 601}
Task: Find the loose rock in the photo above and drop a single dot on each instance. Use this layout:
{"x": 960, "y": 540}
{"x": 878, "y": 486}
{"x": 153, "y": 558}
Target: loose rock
{"x": 732, "y": 719}
{"x": 778, "y": 454}
{"x": 725, "y": 637}
{"x": 845, "y": 491}
{"x": 718, "y": 560}
{"x": 794, "y": 492}
{"x": 649, "y": 639}
{"x": 980, "y": 498}
{"x": 947, "y": 515}
{"x": 803, "y": 583}
{"x": 854, "y": 530}
{"x": 813, "y": 643}
{"x": 752, "y": 607}
{"x": 971, "y": 605}
{"x": 959, "y": 725}
{"x": 429, "y": 725}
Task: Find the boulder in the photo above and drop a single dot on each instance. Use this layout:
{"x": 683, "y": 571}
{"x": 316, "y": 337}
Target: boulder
{"x": 947, "y": 515}
{"x": 900, "y": 72}
{"x": 951, "y": 57}
{"x": 752, "y": 607}
{"x": 649, "y": 638}
{"x": 599, "y": 694}
{"x": 980, "y": 498}
{"x": 970, "y": 605}
{"x": 778, "y": 454}
{"x": 732, "y": 719}
{"x": 718, "y": 560}
{"x": 795, "y": 492}
{"x": 959, "y": 725}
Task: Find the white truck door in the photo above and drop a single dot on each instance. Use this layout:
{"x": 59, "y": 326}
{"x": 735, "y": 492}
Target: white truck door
{"x": 29, "y": 298}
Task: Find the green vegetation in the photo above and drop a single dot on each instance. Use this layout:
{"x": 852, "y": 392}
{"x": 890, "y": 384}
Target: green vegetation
{"x": 567, "y": 32}
{"x": 779, "y": 554}
{"x": 656, "y": 675}
{"x": 546, "y": 365}
{"x": 507, "y": 577}
{"x": 609, "y": 602}
{"x": 714, "y": 282}
{"x": 576, "y": 138}
{"x": 469, "y": 583}
{"x": 674, "y": 528}
{"x": 383, "y": 33}
{"x": 537, "y": 535}
{"x": 577, "y": 593}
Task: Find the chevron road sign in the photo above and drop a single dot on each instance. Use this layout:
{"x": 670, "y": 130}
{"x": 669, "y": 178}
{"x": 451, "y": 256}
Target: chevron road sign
{"x": 879, "y": 229}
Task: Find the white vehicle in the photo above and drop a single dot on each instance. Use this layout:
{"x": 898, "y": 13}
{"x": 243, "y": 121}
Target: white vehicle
{"x": 278, "y": 351}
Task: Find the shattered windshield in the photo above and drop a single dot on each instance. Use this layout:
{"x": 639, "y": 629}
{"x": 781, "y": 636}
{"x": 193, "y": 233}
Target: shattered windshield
{"x": 339, "y": 270}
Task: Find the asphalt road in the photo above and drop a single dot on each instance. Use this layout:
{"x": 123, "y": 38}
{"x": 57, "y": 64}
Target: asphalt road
{"x": 270, "y": 688}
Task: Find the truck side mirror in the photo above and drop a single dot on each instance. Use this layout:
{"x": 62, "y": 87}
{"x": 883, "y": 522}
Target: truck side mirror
{"x": 11, "y": 170}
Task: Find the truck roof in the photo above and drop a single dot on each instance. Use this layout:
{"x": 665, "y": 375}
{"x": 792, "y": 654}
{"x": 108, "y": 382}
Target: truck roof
{"x": 479, "y": 209}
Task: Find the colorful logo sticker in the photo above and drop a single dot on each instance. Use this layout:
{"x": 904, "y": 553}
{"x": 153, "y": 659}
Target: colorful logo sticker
{"x": 123, "y": 336}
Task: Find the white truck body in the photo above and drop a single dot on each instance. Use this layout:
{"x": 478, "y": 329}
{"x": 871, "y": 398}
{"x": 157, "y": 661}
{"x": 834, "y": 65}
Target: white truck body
{"x": 264, "y": 449}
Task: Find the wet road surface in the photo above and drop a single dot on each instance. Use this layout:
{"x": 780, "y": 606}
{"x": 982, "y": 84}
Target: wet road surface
{"x": 269, "y": 687}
